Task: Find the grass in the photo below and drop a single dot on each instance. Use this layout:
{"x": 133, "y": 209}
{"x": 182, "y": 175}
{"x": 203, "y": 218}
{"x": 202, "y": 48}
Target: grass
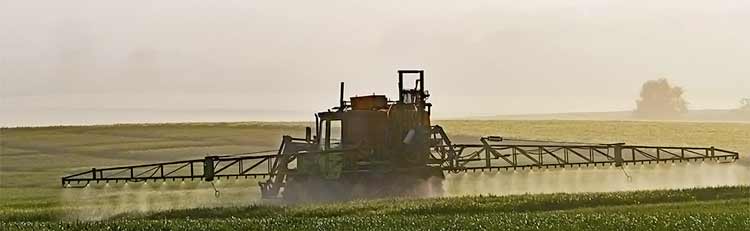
{"x": 723, "y": 208}
{"x": 33, "y": 159}
{"x": 465, "y": 205}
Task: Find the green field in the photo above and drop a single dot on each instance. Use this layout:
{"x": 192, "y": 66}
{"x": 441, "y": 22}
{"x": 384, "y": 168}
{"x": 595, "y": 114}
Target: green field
{"x": 33, "y": 159}
{"x": 698, "y": 209}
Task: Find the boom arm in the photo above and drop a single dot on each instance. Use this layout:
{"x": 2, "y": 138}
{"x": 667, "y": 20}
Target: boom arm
{"x": 498, "y": 156}
{"x": 506, "y": 156}
{"x": 197, "y": 169}
{"x": 491, "y": 154}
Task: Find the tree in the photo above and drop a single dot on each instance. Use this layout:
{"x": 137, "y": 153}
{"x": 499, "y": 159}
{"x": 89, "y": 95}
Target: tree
{"x": 745, "y": 105}
{"x": 659, "y": 99}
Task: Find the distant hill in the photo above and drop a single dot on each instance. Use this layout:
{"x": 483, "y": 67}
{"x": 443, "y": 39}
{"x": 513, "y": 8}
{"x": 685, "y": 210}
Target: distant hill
{"x": 694, "y": 115}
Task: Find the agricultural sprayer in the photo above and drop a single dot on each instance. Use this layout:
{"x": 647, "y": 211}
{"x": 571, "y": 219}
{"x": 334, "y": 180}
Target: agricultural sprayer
{"x": 370, "y": 146}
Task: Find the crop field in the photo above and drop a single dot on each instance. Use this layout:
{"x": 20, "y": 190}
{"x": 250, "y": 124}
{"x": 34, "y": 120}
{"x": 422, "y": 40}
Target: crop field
{"x": 697, "y": 209}
{"x": 705, "y": 196}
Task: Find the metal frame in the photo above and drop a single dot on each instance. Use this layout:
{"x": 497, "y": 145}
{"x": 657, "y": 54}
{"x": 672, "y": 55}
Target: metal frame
{"x": 225, "y": 167}
{"x": 485, "y": 156}
{"x": 454, "y": 158}
{"x": 273, "y": 167}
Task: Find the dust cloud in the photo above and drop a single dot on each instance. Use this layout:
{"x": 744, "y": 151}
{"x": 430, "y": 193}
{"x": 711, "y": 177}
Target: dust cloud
{"x": 98, "y": 202}
{"x": 597, "y": 179}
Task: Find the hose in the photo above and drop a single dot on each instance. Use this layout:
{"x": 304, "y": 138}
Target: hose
{"x": 216, "y": 191}
{"x": 630, "y": 179}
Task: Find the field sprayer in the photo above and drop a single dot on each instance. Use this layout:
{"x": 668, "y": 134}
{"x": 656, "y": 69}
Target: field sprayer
{"x": 371, "y": 147}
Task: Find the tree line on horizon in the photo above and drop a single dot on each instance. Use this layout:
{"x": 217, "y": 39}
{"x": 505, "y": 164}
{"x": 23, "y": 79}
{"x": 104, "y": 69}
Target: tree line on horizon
{"x": 744, "y": 106}
{"x": 659, "y": 99}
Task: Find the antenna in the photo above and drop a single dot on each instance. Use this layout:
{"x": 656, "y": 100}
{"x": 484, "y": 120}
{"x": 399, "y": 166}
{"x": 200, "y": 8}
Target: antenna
{"x": 341, "y": 98}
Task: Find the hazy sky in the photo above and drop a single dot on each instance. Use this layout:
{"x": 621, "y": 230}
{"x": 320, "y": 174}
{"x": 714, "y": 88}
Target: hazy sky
{"x": 481, "y": 58}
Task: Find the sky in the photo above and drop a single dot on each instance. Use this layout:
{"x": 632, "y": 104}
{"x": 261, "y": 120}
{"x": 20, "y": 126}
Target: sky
{"x": 88, "y": 62}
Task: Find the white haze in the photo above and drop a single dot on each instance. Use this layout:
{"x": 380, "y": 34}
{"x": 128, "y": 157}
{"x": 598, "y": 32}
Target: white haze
{"x": 102, "y": 202}
{"x": 598, "y": 179}
{"x": 99, "y": 202}
{"x": 84, "y": 62}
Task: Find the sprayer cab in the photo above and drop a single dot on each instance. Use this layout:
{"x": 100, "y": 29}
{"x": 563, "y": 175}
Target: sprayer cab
{"x": 370, "y": 137}
{"x": 374, "y": 120}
